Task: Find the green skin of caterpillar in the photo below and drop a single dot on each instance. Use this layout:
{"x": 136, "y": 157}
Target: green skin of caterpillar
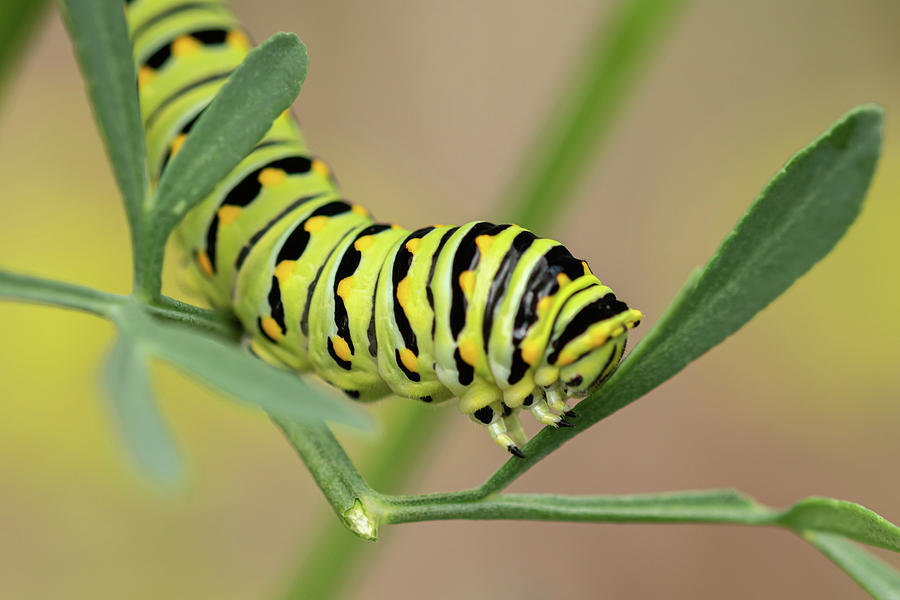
{"x": 489, "y": 314}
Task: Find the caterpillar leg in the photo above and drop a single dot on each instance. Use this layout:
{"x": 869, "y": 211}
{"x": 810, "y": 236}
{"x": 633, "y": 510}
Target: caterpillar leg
{"x": 492, "y": 417}
{"x": 541, "y": 412}
{"x": 514, "y": 426}
{"x": 556, "y": 400}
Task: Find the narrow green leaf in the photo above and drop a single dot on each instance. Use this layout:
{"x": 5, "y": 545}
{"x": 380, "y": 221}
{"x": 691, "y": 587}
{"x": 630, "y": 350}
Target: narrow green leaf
{"x": 583, "y": 116}
{"x": 17, "y": 21}
{"x": 16, "y": 286}
{"x": 103, "y": 48}
{"x": 845, "y": 518}
{"x": 142, "y": 428}
{"x": 796, "y": 220}
{"x": 873, "y": 575}
{"x": 259, "y": 90}
{"x": 232, "y": 370}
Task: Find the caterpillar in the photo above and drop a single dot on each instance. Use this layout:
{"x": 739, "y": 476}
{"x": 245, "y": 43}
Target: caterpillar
{"x": 490, "y": 314}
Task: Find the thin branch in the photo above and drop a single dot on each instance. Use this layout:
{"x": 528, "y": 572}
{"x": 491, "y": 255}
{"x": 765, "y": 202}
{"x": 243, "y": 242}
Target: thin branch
{"x": 58, "y": 293}
{"x": 28, "y": 288}
{"x": 823, "y": 515}
{"x": 405, "y": 437}
{"x": 716, "y": 506}
{"x": 213, "y": 321}
{"x": 355, "y": 502}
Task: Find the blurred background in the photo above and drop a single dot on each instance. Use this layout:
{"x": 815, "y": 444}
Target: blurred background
{"x": 423, "y": 109}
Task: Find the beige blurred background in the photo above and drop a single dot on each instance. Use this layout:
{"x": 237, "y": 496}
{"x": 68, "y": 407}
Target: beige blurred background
{"x": 423, "y": 109}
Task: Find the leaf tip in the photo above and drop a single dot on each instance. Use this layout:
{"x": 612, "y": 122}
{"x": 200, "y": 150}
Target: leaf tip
{"x": 868, "y": 118}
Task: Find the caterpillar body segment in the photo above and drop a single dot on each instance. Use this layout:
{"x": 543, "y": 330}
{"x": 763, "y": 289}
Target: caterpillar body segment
{"x": 490, "y": 314}
{"x": 404, "y": 316}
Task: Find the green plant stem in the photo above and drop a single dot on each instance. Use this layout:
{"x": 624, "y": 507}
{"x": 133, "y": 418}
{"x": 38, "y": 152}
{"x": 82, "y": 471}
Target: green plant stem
{"x": 213, "y": 321}
{"x": 714, "y": 506}
{"x": 347, "y": 492}
{"x": 701, "y": 507}
{"x": 57, "y": 293}
{"x": 363, "y": 509}
{"x": 405, "y": 439}
{"x": 585, "y": 111}
{"x": 28, "y": 288}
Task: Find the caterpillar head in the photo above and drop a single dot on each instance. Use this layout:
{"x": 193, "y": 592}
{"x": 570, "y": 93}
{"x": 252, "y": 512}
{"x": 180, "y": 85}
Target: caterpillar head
{"x": 589, "y": 340}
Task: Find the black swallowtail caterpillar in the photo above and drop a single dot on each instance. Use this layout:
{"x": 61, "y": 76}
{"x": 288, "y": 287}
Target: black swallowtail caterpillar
{"x": 490, "y": 314}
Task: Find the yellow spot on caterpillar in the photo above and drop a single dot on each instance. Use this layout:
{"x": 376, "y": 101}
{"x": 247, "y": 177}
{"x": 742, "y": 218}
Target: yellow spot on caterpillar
{"x": 237, "y": 39}
{"x": 184, "y": 46}
{"x": 177, "y": 143}
{"x": 271, "y": 327}
{"x": 409, "y": 360}
{"x": 403, "y": 292}
{"x": 345, "y": 288}
{"x": 320, "y": 168}
{"x": 204, "y": 262}
{"x": 468, "y": 350}
{"x": 145, "y": 75}
{"x": 284, "y": 270}
{"x": 565, "y": 358}
{"x": 228, "y": 213}
{"x": 531, "y": 351}
{"x": 364, "y": 243}
{"x": 360, "y": 210}
{"x": 315, "y": 224}
{"x": 587, "y": 269}
{"x": 341, "y": 348}
{"x": 270, "y": 176}
{"x": 484, "y": 243}
{"x": 599, "y": 336}
{"x": 467, "y": 282}
{"x": 413, "y": 245}
{"x": 562, "y": 279}
{"x": 395, "y": 226}
{"x": 544, "y": 303}
{"x": 285, "y": 114}
{"x": 438, "y": 226}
